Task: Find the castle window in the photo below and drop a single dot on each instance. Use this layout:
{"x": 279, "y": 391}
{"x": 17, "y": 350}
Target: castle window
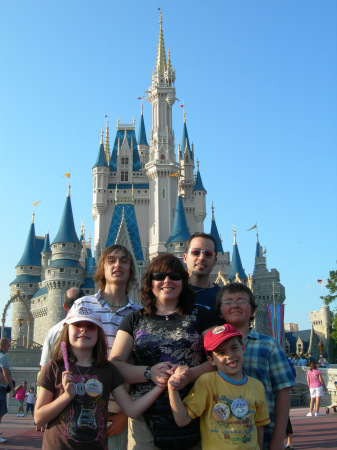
{"x": 162, "y": 157}
{"x": 124, "y": 176}
{"x": 21, "y": 268}
{"x": 17, "y": 285}
{"x": 87, "y": 291}
{"x": 163, "y": 193}
{"x": 30, "y": 285}
{"x": 61, "y": 270}
{"x": 30, "y": 267}
{"x": 63, "y": 245}
{"x": 125, "y": 161}
{"x": 76, "y": 271}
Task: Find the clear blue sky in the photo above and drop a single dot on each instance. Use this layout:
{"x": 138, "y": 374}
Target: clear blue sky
{"x": 258, "y": 79}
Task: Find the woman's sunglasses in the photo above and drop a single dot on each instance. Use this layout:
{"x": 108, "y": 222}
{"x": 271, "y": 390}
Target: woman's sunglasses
{"x": 160, "y": 276}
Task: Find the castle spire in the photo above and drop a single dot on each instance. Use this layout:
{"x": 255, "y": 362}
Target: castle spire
{"x": 180, "y": 232}
{"x": 215, "y": 233}
{"x": 101, "y": 159}
{"x": 236, "y": 266}
{"x": 142, "y": 133}
{"x": 161, "y": 60}
{"x": 66, "y": 232}
{"x": 30, "y": 256}
{"x": 107, "y": 141}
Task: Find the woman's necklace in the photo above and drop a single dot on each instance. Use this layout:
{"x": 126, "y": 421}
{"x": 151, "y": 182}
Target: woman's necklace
{"x": 114, "y": 306}
{"x": 80, "y": 387}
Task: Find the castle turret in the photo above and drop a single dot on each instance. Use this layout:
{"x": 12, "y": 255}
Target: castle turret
{"x": 65, "y": 270}
{"x": 199, "y": 197}
{"x": 162, "y": 164}
{"x": 267, "y": 288}
{"x": 143, "y": 146}
{"x": 186, "y": 159}
{"x": 221, "y": 269}
{"x": 100, "y": 192}
{"x": 28, "y": 276}
{"x": 236, "y": 272}
{"x": 180, "y": 234}
{"x": 46, "y": 252}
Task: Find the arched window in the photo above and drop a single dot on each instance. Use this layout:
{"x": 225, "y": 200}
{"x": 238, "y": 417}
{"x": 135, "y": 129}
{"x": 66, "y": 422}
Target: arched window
{"x": 164, "y": 193}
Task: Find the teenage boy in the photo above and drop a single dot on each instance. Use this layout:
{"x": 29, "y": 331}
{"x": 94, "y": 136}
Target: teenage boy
{"x": 232, "y": 407}
{"x": 264, "y": 359}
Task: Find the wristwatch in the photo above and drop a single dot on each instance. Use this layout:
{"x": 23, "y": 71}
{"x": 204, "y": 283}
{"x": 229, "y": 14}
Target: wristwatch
{"x": 147, "y": 373}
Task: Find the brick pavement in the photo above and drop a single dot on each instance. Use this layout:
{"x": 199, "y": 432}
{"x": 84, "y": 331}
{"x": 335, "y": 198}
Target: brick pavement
{"x": 309, "y": 432}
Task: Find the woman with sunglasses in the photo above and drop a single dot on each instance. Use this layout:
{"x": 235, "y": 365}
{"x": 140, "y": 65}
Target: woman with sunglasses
{"x": 164, "y": 337}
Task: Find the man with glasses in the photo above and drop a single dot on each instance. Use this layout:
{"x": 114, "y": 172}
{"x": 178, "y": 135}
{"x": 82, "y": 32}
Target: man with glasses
{"x": 200, "y": 258}
{"x": 5, "y": 379}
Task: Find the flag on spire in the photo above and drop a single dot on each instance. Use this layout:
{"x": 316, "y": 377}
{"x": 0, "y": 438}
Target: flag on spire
{"x": 320, "y": 281}
{"x": 35, "y": 203}
{"x": 252, "y": 228}
{"x": 66, "y": 175}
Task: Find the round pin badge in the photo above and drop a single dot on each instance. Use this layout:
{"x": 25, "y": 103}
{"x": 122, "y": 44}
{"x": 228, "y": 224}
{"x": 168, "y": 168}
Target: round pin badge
{"x": 93, "y": 387}
{"x": 221, "y": 412}
{"x": 239, "y": 407}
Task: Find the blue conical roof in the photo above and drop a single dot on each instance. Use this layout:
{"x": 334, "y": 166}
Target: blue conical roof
{"x": 180, "y": 232}
{"x": 131, "y": 137}
{"x": 101, "y": 159}
{"x": 184, "y": 140}
{"x": 142, "y": 133}
{"x": 31, "y": 255}
{"x": 46, "y": 245}
{"x": 67, "y": 231}
{"x": 258, "y": 252}
{"x": 236, "y": 265}
{"x": 198, "y": 183}
{"x": 214, "y": 232}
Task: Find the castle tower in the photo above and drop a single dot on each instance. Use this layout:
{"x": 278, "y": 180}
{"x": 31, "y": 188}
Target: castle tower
{"x": 267, "y": 289}
{"x": 100, "y": 192}
{"x": 199, "y": 198}
{"x": 236, "y": 272}
{"x": 28, "y": 276}
{"x": 162, "y": 163}
{"x": 180, "y": 234}
{"x": 46, "y": 254}
{"x": 186, "y": 159}
{"x": 143, "y": 146}
{"x": 64, "y": 271}
{"x": 223, "y": 258}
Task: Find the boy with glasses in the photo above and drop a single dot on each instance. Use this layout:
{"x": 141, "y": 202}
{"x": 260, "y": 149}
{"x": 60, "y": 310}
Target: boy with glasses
{"x": 264, "y": 359}
{"x": 200, "y": 259}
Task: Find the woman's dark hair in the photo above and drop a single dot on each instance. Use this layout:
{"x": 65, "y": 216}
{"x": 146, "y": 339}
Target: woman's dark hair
{"x": 232, "y": 288}
{"x": 99, "y": 352}
{"x": 165, "y": 263}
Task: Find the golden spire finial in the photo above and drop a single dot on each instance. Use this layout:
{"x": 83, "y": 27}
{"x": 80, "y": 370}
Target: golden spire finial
{"x": 161, "y": 59}
{"x": 197, "y": 165}
{"x": 234, "y": 232}
{"x": 89, "y": 245}
{"x": 101, "y": 136}
{"x": 183, "y": 105}
{"x": 68, "y": 193}
{"x": 34, "y": 204}
{"x": 82, "y": 229}
{"x": 133, "y": 121}
{"x": 141, "y": 108}
{"x": 213, "y": 219}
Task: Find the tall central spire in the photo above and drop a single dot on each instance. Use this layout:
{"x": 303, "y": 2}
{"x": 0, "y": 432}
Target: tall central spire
{"x": 161, "y": 56}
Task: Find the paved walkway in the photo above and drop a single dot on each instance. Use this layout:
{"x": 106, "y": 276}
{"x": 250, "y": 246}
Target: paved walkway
{"x": 309, "y": 432}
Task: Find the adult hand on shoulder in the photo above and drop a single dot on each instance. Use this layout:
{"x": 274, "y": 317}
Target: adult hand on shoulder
{"x": 160, "y": 373}
{"x": 118, "y": 423}
{"x": 181, "y": 377}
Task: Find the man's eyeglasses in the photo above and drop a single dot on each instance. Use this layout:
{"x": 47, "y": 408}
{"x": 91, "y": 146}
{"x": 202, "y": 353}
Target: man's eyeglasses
{"x": 197, "y": 252}
{"x": 160, "y": 276}
{"x": 237, "y": 302}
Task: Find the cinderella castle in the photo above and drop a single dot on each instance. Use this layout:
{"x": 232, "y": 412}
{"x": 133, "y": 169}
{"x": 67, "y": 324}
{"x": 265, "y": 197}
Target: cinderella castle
{"x": 149, "y": 196}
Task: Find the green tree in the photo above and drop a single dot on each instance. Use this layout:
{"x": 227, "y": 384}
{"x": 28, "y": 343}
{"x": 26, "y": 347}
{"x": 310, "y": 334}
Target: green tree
{"x": 334, "y": 328}
{"x": 332, "y": 287}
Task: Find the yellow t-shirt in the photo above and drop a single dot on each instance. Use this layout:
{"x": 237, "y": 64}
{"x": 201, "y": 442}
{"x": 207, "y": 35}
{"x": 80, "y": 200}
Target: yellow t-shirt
{"x": 214, "y": 399}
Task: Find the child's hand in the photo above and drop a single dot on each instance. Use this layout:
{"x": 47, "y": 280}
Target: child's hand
{"x": 180, "y": 378}
{"x": 67, "y": 383}
{"x": 160, "y": 373}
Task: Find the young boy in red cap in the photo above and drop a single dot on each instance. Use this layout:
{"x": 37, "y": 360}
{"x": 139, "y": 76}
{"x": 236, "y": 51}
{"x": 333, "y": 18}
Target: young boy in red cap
{"x": 232, "y": 407}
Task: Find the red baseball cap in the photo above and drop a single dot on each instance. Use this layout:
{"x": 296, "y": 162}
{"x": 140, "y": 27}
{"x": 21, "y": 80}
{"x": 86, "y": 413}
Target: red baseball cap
{"x": 218, "y": 335}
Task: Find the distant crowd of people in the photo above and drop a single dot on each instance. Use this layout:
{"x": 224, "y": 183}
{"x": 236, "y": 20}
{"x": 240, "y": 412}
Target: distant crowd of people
{"x": 307, "y": 359}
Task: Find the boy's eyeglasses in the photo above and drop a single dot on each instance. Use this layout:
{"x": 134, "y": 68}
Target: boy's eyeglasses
{"x": 237, "y": 302}
{"x": 160, "y": 276}
{"x": 197, "y": 252}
